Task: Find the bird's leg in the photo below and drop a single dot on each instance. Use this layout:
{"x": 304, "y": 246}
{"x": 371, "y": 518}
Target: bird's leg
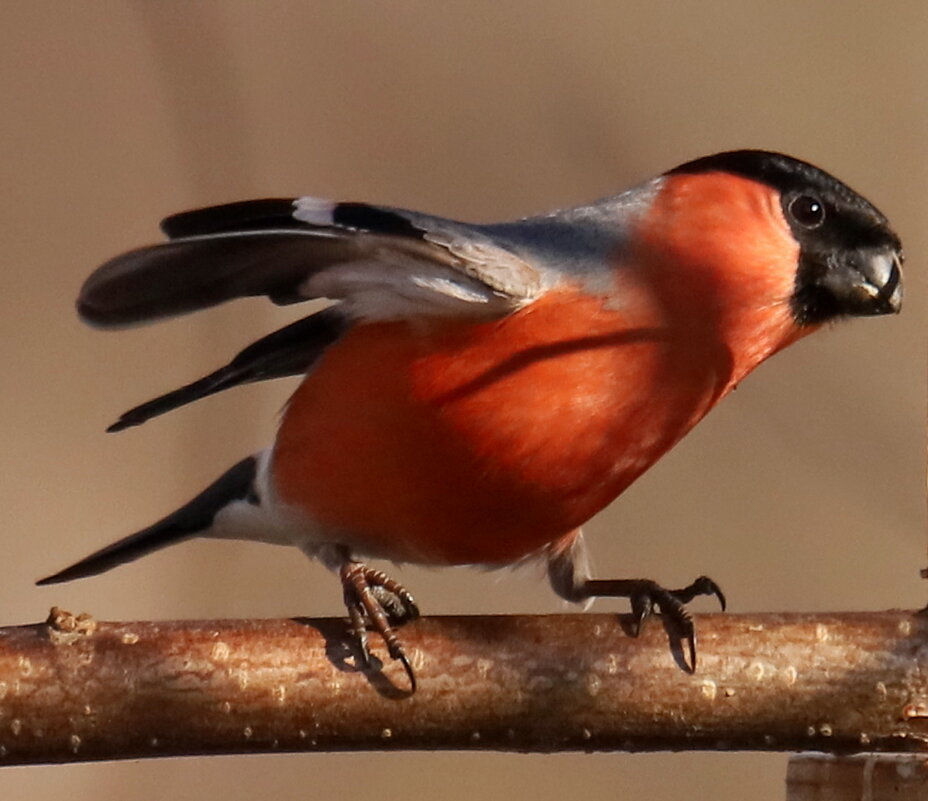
{"x": 568, "y": 572}
{"x": 372, "y": 597}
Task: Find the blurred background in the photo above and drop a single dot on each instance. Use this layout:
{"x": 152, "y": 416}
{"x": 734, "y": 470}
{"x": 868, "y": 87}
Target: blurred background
{"x": 804, "y": 491}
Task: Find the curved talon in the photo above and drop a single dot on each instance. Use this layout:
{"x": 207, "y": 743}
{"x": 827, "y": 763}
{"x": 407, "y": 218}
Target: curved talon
{"x": 401, "y": 656}
{"x": 706, "y": 586}
{"x": 642, "y": 608}
{"x": 412, "y": 610}
{"x": 681, "y": 618}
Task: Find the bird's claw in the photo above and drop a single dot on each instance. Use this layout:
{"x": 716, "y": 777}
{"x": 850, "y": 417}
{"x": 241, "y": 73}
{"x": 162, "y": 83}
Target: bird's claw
{"x": 373, "y": 598}
{"x": 702, "y": 586}
{"x": 672, "y": 604}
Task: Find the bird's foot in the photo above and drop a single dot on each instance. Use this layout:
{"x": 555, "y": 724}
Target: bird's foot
{"x": 672, "y": 604}
{"x": 373, "y": 598}
{"x": 646, "y": 596}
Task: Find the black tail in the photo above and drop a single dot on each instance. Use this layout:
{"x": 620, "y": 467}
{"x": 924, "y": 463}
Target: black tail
{"x": 194, "y": 517}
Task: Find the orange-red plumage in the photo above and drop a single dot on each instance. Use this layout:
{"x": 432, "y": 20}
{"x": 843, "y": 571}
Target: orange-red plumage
{"x": 460, "y": 442}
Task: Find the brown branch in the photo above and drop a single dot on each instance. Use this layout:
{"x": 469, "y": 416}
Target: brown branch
{"x": 73, "y": 690}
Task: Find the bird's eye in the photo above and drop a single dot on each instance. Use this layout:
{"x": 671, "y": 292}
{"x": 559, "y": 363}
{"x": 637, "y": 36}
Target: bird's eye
{"x": 807, "y": 210}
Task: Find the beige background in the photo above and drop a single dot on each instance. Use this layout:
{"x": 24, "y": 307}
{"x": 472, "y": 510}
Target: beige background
{"x": 803, "y": 491}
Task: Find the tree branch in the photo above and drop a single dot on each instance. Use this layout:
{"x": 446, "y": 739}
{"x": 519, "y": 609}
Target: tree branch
{"x": 73, "y": 690}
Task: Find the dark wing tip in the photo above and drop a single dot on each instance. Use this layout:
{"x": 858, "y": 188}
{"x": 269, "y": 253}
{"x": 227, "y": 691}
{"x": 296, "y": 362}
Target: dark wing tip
{"x": 93, "y": 315}
{"x": 56, "y": 578}
{"x": 118, "y": 293}
{"x": 290, "y": 350}
{"x": 245, "y": 215}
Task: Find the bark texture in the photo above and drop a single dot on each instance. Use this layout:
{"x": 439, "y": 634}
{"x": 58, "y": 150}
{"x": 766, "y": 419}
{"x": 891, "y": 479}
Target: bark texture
{"x": 72, "y": 689}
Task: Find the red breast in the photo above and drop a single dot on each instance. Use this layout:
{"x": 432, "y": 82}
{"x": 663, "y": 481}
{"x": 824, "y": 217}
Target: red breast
{"x": 453, "y": 442}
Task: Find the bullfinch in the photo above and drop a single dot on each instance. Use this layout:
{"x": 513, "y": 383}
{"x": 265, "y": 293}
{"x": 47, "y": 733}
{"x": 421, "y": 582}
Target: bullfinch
{"x": 476, "y": 392}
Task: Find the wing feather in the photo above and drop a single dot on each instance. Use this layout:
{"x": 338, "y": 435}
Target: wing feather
{"x": 342, "y": 251}
{"x": 289, "y": 351}
{"x": 377, "y": 263}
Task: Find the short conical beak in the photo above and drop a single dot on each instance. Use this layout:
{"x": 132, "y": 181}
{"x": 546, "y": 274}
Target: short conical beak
{"x": 868, "y": 283}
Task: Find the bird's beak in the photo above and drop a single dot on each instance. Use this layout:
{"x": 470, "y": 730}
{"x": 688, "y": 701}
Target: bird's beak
{"x": 866, "y": 282}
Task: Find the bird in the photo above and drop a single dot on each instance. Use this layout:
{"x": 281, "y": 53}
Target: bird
{"x": 475, "y": 393}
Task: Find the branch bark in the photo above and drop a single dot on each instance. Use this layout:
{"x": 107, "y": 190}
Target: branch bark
{"x": 72, "y": 690}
